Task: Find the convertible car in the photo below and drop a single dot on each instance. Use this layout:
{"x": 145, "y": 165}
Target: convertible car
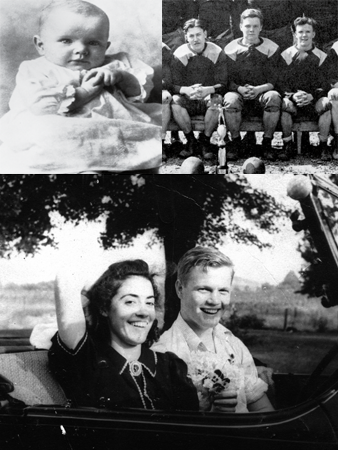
{"x": 35, "y": 412}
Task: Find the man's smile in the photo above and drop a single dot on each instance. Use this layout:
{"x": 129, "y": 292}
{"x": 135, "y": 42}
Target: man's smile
{"x": 211, "y": 311}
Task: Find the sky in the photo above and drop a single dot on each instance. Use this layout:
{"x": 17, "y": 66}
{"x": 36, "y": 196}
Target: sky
{"x": 79, "y": 247}
{"x": 270, "y": 265}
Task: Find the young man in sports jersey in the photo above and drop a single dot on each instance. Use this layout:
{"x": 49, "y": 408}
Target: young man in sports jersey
{"x": 304, "y": 85}
{"x": 199, "y": 77}
{"x": 252, "y": 63}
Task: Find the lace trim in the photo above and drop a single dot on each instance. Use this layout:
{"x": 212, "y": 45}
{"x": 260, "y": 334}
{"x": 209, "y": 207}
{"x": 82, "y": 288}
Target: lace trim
{"x": 65, "y": 98}
{"x": 73, "y": 353}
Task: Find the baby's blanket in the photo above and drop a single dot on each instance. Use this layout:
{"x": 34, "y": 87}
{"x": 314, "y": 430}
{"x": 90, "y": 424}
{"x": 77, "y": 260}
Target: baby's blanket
{"x": 111, "y": 133}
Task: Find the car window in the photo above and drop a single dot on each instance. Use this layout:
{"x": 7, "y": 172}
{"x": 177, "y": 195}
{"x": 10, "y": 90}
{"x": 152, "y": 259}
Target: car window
{"x": 284, "y": 329}
{"x": 329, "y": 204}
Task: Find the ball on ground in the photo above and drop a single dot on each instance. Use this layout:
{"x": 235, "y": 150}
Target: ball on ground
{"x": 253, "y": 165}
{"x": 192, "y": 165}
{"x": 299, "y": 187}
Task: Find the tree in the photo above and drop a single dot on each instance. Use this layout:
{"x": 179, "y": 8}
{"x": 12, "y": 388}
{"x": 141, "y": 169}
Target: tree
{"x": 182, "y": 211}
{"x": 314, "y": 276}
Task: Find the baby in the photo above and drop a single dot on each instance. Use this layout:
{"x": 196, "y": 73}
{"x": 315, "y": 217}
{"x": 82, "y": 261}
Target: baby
{"x": 74, "y": 81}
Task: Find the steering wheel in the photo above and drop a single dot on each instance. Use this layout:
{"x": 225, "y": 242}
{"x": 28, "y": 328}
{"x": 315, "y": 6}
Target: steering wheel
{"x": 313, "y": 383}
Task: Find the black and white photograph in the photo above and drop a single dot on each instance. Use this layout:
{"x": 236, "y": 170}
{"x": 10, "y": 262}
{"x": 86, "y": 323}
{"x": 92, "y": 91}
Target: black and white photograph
{"x": 80, "y": 86}
{"x": 168, "y": 252}
{"x": 249, "y": 86}
{"x": 138, "y": 310}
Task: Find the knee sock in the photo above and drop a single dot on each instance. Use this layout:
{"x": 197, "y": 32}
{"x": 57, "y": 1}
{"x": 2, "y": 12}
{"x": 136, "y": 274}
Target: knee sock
{"x": 267, "y": 141}
{"x": 236, "y": 139}
{"x": 203, "y": 137}
{"x": 287, "y": 139}
{"x": 190, "y": 136}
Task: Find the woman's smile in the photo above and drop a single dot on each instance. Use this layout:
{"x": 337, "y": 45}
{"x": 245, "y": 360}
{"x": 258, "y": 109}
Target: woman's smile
{"x": 132, "y": 312}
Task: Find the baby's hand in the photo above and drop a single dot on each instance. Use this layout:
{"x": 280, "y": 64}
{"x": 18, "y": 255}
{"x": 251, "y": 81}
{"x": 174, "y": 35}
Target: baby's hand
{"x": 91, "y": 86}
{"x": 102, "y": 76}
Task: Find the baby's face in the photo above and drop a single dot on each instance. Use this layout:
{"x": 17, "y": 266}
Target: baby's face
{"x": 74, "y": 41}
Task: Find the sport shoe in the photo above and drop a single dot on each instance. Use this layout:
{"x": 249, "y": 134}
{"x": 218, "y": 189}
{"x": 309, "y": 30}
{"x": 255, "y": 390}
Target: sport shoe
{"x": 326, "y": 155}
{"x": 268, "y": 152}
{"x": 190, "y": 149}
{"x": 287, "y": 152}
{"x": 164, "y": 150}
{"x": 208, "y": 151}
{"x": 233, "y": 150}
{"x": 334, "y": 145}
{"x": 249, "y": 145}
{"x": 316, "y": 151}
{"x": 176, "y": 144}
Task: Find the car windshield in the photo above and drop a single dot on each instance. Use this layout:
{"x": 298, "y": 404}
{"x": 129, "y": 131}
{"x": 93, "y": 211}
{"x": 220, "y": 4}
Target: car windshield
{"x": 275, "y": 304}
{"x": 328, "y": 199}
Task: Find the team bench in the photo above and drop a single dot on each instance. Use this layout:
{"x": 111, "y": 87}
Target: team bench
{"x": 255, "y": 124}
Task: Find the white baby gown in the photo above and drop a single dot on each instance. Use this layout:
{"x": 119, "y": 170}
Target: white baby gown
{"x": 110, "y": 133}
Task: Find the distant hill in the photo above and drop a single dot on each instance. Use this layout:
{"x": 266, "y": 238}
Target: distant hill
{"x": 43, "y": 285}
{"x": 244, "y": 284}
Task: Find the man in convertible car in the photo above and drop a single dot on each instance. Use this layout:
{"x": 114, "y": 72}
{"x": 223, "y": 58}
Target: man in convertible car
{"x": 204, "y": 280}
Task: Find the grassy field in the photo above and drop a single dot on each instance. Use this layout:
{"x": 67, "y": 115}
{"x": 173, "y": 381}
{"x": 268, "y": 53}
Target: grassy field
{"x": 25, "y": 306}
{"x": 300, "y": 164}
{"x": 312, "y": 328}
{"x": 274, "y": 305}
{"x": 287, "y": 352}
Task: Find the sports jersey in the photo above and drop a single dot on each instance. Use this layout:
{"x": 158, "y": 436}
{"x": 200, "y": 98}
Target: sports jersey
{"x": 332, "y": 62}
{"x": 207, "y": 68}
{"x": 303, "y": 71}
{"x": 256, "y": 64}
{"x": 166, "y": 68}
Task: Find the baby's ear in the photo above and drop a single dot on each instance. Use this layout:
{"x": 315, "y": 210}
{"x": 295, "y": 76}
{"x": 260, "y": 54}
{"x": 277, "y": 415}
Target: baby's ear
{"x": 39, "y": 45}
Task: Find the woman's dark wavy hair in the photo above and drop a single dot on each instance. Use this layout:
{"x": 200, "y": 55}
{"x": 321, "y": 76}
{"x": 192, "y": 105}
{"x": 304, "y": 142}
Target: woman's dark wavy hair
{"x": 105, "y": 288}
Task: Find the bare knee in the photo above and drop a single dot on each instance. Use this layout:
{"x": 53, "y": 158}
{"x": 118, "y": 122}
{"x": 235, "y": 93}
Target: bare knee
{"x": 272, "y": 101}
{"x": 323, "y": 106}
{"x": 177, "y": 101}
{"x": 166, "y": 97}
{"x": 233, "y": 102}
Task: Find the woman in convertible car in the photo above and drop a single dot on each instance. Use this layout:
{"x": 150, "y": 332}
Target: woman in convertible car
{"x": 105, "y": 361}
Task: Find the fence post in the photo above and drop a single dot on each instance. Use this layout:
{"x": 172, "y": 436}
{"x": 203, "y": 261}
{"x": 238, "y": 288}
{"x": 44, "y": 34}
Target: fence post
{"x": 286, "y": 311}
{"x": 294, "y": 317}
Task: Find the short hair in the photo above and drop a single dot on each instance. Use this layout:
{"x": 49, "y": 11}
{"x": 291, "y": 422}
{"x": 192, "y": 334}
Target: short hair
{"x": 203, "y": 257}
{"x": 251, "y": 12}
{"x": 192, "y": 23}
{"x": 76, "y": 6}
{"x": 100, "y": 295}
{"x": 303, "y": 21}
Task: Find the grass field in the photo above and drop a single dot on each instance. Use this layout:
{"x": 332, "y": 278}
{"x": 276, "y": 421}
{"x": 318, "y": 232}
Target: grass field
{"x": 300, "y": 164}
{"x": 287, "y": 352}
{"x": 24, "y": 307}
{"x": 272, "y": 304}
{"x": 313, "y": 329}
